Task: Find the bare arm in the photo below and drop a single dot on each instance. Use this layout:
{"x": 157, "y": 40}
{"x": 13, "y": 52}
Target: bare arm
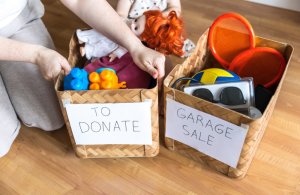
{"x": 173, "y": 5}
{"x": 49, "y": 61}
{"x": 102, "y": 17}
{"x": 11, "y": 50}
{"x": 123, "y": 7}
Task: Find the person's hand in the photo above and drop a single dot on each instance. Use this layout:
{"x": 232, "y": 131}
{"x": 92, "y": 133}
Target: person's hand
{"x": 150, "y": 61}
{"x": 112, "y": 57}
{"x": 166, "y": 12}
{"x": 173, "y": 5}
{"x": 50, "y": 64}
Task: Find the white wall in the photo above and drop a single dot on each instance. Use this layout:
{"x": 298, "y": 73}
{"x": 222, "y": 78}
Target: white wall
{"x": 286, "y": 4}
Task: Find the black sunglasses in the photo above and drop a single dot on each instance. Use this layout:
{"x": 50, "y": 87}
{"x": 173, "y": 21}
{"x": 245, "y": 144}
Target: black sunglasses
{"x": 228, "y": 96}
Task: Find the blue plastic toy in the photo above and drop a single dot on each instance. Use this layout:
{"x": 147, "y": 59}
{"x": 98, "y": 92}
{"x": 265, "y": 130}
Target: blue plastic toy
{"x": 76, "y": 80}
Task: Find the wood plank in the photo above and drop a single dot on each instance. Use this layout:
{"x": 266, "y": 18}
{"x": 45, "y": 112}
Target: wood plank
{"x": 141, "y": 176}
{"x": 42, "y": 162}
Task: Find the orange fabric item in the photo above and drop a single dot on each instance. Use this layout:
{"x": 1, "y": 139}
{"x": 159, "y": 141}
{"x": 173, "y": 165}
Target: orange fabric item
{"x": 230, "y": 35}
{"x": 105, "y": 80}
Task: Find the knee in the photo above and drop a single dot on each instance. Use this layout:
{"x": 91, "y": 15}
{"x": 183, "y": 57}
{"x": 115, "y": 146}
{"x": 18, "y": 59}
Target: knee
{"x": 4, "y": 150}
{"x": 47, "y": 117}
{"x": 46, "y": 124}
{"x": 7, "y": 138}
{"x": 55, "y": 125}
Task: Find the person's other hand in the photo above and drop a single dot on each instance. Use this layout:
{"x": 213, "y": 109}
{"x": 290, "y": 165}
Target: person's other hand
{"x": 50, "y": 64}
{"x": 112, "y": 57}
{"x": 150, "y": 61}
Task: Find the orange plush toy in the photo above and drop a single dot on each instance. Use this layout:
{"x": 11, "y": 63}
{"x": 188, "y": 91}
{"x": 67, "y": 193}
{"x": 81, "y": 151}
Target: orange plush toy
{"x": 106, "y": 79}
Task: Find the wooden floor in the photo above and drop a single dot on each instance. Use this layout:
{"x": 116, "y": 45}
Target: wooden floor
{"x": 44, "y": 162}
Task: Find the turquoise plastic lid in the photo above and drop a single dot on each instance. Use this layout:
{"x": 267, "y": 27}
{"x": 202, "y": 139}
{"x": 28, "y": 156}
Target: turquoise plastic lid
{"x": 101, "y": 69}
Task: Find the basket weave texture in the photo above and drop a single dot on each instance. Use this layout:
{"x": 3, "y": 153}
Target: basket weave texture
{"x": 202, "y": 59}
{"x": 107, "y": 96}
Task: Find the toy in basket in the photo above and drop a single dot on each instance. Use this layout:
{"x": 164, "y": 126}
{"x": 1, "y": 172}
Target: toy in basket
{"x": 229, "y": 35}
{"x": 202, "y": 58}
{"x": 105, "y": 78}
{"x": 103, "y": 97}
{"x": 172, "y": 43}
{"x": 224, "y": 88}
{"x": 264, "y": 64}
{"x": 232, "y": 42}
{"x": 163, "y": 33}
{"x": 76, "y": 80}
{"x": 213, "y": 75}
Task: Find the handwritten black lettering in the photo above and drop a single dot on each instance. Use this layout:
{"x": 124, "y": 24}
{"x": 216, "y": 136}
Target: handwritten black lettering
{"x": 117, "y": 126}
{"x": 103, "y": 125}
{"x": 209, "y": 124}
{"x": 182, "y": 116}
{"x": 125, "y": 124}
{"x": 93, "y": 129}
{"x": 228, "y": 132}
{"x": 134, "y": 126}
{"x": 199, "y": 120}
{"x": 95, "y": 110}
{"x": 108, "y": 110}
{"x": 208, "y": 140}
{"x": 200, "y": 138}
{"x": 80, "y": 125}
{"x": 185, "y": 130}
{"x": 194, "y": 133}
{"x": 190, "y": 117}
{"x": 219, "y": 130}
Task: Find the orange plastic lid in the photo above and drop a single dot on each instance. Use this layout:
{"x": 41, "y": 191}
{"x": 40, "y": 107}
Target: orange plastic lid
{"x": 230, "y": 35}
{"x": 264, "y": 64}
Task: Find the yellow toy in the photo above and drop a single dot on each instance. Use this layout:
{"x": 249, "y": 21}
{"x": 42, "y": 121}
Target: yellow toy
{"x": 106, "y": 79}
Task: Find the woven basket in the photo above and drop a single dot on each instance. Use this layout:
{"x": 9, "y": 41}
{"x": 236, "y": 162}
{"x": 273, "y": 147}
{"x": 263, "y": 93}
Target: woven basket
{"x": 107, "y": 96}
{"x": 202, "y": 59}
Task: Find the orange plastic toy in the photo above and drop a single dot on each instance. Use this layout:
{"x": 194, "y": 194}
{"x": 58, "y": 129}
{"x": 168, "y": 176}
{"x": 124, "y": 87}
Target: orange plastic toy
{"x": 230, "y": 35}
{"x": 107, "y": 79}
{"x": 264, "y": 64}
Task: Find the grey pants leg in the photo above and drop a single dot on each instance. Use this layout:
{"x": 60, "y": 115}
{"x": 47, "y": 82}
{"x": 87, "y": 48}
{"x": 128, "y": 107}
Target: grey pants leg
{"x": 23, "y": 90}
{"x": 9, "y": 124}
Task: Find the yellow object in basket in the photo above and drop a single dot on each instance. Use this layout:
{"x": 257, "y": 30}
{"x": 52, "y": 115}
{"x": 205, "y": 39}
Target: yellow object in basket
{"x": 107, "y": 79}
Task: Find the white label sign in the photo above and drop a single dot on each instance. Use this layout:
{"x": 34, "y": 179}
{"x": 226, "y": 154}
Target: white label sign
{"x": 206, "y": 133}
{"x": 120, "y": 123}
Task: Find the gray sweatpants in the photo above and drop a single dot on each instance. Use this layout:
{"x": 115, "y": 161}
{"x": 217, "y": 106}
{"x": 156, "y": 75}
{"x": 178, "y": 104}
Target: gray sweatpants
{"x": 23, "y": 90}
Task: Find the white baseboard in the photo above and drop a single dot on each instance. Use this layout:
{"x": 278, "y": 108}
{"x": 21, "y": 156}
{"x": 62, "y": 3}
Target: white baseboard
{"x": 285, "y": 4}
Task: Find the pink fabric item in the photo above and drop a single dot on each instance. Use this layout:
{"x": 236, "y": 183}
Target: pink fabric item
{"x": 126, "y": 70}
